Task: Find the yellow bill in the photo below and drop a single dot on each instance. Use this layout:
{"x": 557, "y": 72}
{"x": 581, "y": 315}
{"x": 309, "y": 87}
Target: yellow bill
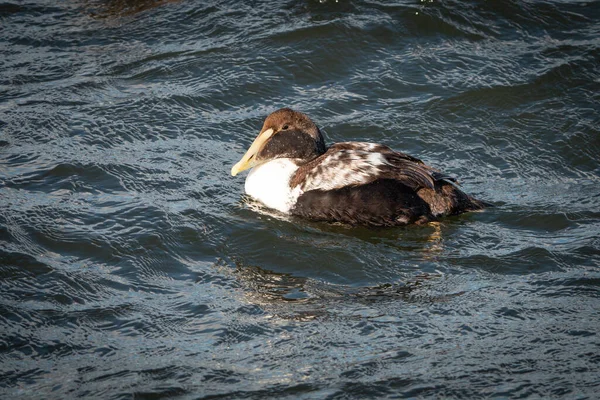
{"x": 249, "y": 159}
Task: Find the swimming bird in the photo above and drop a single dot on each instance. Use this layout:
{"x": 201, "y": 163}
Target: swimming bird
{"x": 354, "y": 183}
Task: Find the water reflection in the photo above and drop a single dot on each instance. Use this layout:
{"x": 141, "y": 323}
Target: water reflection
{"x": 295, "y": 297}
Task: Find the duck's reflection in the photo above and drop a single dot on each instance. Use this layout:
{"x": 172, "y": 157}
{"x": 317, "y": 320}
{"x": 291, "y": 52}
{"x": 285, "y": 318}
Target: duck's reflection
{"x": 300, "y": 298}
{"x": 292, "y": 296}
{"x": 264, "y": 286}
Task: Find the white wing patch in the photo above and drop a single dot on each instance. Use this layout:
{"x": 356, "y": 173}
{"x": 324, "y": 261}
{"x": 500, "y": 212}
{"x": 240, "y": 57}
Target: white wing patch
{"x": 355, "y": 163}
{"x": 344, "y": 168}
{"x": 376, "y": 159}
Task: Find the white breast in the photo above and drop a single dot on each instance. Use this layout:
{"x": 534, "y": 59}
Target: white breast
{"x": 269, "y": 184}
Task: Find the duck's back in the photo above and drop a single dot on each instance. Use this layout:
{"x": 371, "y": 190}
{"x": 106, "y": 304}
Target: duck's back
{"x": 370, "y": 184}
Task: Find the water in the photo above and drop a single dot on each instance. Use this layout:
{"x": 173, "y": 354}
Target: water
{"x": 132, "y": 266}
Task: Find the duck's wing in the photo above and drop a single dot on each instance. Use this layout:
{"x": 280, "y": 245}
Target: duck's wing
{"x": 351, "y": 164}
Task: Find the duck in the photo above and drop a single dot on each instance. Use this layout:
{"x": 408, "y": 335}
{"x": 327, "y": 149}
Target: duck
{"x": 293, "y": 172}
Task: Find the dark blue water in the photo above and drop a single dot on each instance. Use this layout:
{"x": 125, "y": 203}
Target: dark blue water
{"x": 131, "y": 266}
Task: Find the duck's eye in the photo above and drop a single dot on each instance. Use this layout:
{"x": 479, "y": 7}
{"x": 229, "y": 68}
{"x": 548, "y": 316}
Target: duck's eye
{"x": 285, "y": 127}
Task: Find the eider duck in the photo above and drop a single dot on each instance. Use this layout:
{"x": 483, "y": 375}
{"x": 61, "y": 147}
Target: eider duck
{"x": 352, "y": 182}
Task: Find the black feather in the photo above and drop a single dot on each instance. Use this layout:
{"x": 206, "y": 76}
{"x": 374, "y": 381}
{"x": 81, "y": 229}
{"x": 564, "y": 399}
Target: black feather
{"x": 385, "y": 202}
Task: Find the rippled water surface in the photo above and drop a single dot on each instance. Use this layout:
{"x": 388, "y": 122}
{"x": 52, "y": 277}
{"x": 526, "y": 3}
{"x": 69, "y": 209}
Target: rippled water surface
{"x": 131, "y": 266}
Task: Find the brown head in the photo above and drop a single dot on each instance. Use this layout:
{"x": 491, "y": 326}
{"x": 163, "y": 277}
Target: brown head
{"x": 285, "y": 134}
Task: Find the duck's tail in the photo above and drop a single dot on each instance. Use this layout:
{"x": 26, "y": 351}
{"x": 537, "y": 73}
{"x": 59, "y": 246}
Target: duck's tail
{"x": 448, "y": 199}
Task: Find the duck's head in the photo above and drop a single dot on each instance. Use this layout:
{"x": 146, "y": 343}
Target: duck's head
{"x": 285, "y": 134}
